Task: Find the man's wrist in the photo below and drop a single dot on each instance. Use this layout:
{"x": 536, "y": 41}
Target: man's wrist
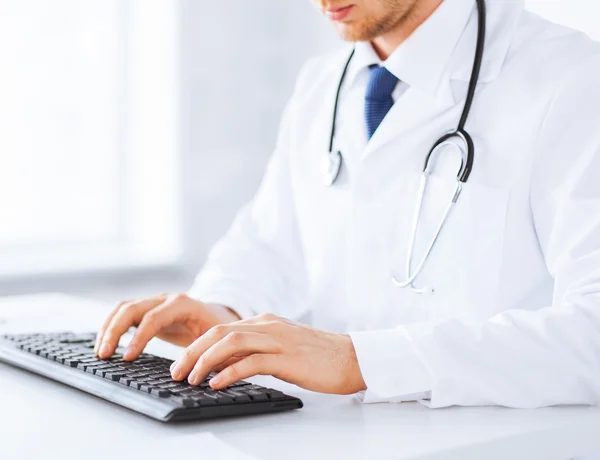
{"x": 228, "y": 314}
{"x": 356, "y": 382}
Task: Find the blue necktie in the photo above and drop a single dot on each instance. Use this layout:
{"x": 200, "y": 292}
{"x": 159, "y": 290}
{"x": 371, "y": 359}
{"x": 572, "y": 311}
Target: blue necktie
{"x": 378, "y": 100}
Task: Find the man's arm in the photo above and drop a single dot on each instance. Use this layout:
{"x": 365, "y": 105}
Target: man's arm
{"x": 258, "y": 265}
{"x": 521, "y": 358}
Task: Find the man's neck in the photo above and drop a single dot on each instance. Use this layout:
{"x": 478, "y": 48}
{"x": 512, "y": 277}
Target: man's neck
{"x": 385, "y": 44}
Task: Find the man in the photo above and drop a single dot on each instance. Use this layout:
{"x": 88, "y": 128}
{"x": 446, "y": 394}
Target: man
{"x": 506, "y": 310}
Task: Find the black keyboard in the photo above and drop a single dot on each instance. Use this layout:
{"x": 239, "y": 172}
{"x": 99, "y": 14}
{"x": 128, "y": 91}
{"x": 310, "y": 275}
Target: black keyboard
{"x": 144, "y": 385}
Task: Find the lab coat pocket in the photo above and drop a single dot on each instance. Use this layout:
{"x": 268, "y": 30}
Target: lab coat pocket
{"x": 463, "y": 268}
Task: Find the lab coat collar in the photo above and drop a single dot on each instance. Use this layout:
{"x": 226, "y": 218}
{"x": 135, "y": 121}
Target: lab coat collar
{"x": 429, "y": 61}
{"x": 421, "y": 59}
{"x": 502, "y": 19}
{"x": 441, "y": 49}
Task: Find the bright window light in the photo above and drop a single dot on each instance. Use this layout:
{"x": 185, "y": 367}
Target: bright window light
{"x": 89, "y": 152}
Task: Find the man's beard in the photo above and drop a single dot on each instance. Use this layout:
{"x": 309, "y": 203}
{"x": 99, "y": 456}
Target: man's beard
{"x": 372, "y": 28}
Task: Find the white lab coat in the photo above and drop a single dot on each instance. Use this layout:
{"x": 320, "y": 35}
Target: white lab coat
{"x": 515, "y": 317}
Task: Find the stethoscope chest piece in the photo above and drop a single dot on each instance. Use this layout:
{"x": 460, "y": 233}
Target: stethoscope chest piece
{"x": 331, "y": 164}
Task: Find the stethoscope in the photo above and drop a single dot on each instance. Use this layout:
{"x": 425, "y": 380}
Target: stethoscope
{"x": 458, "y": 139}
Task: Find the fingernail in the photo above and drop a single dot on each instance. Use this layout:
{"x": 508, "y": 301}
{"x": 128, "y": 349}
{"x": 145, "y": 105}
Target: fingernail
{"x": 128, "y": 353}
{"x": 176, "y": 373}
{"x": 104, "y": 350}
{"x": 215, "y": 380}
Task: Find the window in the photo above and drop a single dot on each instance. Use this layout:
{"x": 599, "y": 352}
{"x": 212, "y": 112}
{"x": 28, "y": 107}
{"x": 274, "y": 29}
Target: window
{"x": 88, "y": 135}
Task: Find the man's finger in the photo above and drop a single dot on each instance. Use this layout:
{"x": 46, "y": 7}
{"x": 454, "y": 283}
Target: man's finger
{"x": 107, "y": 322}
{"x": 227, "y": 363}
{"x": 128, "y": 315}
{"x": 188, "y": 359}
{"x": 233, "y": 345}
{"x": 152, "y": 323}
{"x": 257, "y": 364}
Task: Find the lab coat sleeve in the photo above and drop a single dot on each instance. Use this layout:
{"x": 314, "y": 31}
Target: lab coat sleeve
{"x": 521, "y": 358}
{"x": 258, "y": 265}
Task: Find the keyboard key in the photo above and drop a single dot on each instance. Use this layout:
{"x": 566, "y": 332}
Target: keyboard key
{"x": 115, "y": 377}
{"x": 257, "y": 395}
{"x": 145, "y": 388}
{"x": 204, "y": 400}
{"x": 158, "y": 374}
{"x": 236, "y": 395}
{"x": 274, "y": 394}
{"x": 241, "y": 383}
{"x": 129, "y": 366}
{"x": 160, "y": 392}
{"x": 71, "y": 362}
{"x": 145, "y": 373}
{"x": 254, "y": 387}
{"x": 196, "y": 390}
{"x": 219, "y": 397}
{"x": 135, "y": 375}
{"x": 169, "y": 385}
{"x": 187, "y": 392}
{"x": 178, "y": 390}
{"x": 188, "y": 402}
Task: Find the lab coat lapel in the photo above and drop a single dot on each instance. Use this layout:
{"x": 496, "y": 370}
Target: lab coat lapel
{"x": 417, "y": 106}
{"x": 414, "y": 108}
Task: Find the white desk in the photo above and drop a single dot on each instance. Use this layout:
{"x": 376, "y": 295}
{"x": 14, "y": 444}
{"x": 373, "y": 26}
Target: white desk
{"x": 41, "y": 419}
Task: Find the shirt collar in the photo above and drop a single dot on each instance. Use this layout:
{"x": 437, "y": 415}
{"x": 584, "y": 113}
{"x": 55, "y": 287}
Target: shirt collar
{"x": 442, "y": 47}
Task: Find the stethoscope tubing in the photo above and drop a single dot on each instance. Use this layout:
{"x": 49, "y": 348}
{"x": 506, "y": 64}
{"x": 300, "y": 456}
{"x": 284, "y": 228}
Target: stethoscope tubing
{"x": 460, "y": 133}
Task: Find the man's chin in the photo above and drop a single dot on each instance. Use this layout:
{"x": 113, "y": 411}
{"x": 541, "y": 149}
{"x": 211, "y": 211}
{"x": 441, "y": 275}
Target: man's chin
{"x": 354, "y": 32}
{"x": 351, "y": 33}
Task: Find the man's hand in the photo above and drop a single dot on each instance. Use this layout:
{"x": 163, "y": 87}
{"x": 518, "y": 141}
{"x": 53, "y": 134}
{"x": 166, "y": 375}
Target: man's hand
{"x": 175, "y": 318}
{"x": 268, "y": 345}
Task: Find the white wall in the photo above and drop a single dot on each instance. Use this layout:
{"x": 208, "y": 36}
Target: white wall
{"x": 240, "y": 61}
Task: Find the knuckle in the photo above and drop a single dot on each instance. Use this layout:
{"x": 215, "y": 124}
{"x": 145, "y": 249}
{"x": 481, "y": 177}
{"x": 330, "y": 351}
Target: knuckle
{"x": 188, "y": 353}
{"x": 272, "y": 326}
{"x": 151, "y": 319}
{"x": 180, "y": 297}
{"x": 267, "y": 317}
{"x": 127, "y": 307}
{"x": 257, "y": 361}
{"x": 219, "y": 331}
{"x": 235, "y": 337}
{"x": 234, "y": 371}
{"x": 201, "y": 363}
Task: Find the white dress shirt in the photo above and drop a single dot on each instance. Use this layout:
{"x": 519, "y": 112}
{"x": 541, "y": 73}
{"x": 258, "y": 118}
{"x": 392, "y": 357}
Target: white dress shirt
{"x": 515, "y": 316}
